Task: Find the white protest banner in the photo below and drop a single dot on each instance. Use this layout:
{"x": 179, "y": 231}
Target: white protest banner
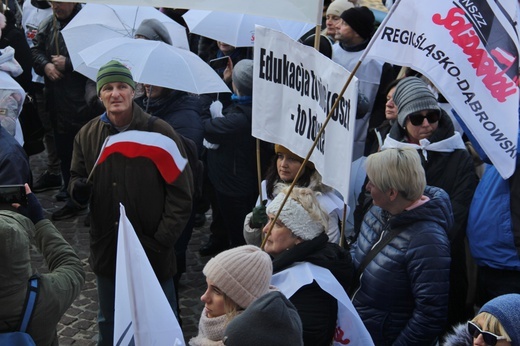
{"x": 470, "y": 51}
{"x": 294, "y": 88}
{"x": 142, "y": 314}
{"x": 308, "y": 11}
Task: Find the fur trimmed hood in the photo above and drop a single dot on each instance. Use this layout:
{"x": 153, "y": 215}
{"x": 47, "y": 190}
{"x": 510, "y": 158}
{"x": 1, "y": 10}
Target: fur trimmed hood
{"x": 459, "y": 337}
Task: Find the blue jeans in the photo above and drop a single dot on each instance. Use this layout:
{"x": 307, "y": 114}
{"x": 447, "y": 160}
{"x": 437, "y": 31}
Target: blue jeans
{"x": 106, "y": 288}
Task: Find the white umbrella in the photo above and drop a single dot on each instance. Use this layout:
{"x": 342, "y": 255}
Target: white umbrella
{"x": 98, "y": 22}
{"x": 238, "y": 29}
{"x": 156, "y": 63}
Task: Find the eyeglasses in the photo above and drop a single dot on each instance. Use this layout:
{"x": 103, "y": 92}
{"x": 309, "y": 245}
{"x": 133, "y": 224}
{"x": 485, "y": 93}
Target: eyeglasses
{"x": 417, "y": 118}
{"x": 489, "y": 338}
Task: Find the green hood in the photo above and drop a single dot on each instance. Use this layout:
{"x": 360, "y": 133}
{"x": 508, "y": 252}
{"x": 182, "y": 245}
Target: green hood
{"x": 16, "y": 233}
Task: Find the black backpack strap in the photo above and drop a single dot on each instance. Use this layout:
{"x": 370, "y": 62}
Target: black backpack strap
{"x": 377, "y": 248}
{"x": 370, "y": 256}
{"x": 30, "y": 302}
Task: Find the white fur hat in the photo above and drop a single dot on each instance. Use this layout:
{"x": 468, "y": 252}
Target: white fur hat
{"x": 302, "y": 221}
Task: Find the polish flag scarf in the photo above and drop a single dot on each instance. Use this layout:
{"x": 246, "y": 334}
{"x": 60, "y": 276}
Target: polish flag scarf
{"x": 162, "y": 150}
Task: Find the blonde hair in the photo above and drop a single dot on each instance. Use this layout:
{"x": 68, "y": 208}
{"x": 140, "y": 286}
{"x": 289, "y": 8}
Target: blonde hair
{"x": 230, "y": 307}
{"x": 399, "y": 169}
{"x": 490, "y": 323}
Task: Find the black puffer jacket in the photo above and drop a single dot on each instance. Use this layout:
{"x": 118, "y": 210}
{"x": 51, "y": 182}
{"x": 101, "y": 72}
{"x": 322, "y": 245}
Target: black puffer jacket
{"x": 454, "y": 172}
{"x": 317, "y": 309}
{"x": 403, "y": 293}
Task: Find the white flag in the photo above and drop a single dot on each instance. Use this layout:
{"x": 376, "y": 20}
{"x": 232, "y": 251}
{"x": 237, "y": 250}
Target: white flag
{"x": 350, "y": 329}
{"x": 470, "y": 51}
{"x": 142, "y": 314}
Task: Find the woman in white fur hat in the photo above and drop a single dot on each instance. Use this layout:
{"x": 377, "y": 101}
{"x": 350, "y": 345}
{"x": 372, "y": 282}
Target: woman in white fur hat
{"x": 298, "y": 235}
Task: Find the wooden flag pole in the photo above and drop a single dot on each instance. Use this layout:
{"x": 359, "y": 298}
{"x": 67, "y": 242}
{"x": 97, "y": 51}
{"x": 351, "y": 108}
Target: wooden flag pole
{"x": 318, "y": 136}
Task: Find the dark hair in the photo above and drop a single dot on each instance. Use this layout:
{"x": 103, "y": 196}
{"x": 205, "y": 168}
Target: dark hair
{"x": 272, "y": 177}
{"x": 391, "y": 85}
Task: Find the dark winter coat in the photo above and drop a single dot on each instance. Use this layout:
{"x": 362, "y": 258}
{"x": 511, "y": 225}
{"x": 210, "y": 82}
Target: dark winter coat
{"x": 157, "y": 210}
{"x": 317, "y": 309}
{"x": 15, "y": 37}
{"x": 57, "y": 289}
{"x": 453, "y": 172}
{"x": 14, "y": 163}
{"x": 403, "y": 292}
{"x": 65, "y": 97}
{"x": 232, "y": 167}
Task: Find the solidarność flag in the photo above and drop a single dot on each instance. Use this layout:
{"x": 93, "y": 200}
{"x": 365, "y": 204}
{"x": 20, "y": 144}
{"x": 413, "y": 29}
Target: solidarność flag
{"x": 470, "y": 51}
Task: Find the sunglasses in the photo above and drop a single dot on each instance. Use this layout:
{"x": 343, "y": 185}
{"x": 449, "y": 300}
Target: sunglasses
{"x": 489, "y": 338}
{"x": 417, "y": 118}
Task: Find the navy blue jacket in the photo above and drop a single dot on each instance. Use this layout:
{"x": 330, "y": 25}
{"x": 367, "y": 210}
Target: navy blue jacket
{"x": 403, "y": 293}
{"x": 232, "y": 167}
{"x": 14, "y": 163}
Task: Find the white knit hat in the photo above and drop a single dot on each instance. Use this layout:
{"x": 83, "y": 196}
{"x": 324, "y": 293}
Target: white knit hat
{"x": 298, "y": 218}
{"x": 337, "y": 7}
{"x": 242, "y": 273}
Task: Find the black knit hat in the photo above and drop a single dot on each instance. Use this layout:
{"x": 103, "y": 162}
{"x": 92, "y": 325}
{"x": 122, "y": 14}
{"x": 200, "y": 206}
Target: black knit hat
{"x": 361, "y": 19}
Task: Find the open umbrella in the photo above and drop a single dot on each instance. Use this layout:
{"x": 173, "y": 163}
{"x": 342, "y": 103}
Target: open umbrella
{"x": 156, "y": 63}
{"x": 98, "y": 22}
{"x": 238, "y": 29}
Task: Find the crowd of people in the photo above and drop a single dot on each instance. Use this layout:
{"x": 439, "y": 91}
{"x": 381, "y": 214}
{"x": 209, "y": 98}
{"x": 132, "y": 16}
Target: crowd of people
{"x": 432, "y": 257}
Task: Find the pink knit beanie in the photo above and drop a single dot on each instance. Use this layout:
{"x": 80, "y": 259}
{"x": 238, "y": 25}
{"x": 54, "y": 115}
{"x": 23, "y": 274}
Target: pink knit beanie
{"x": 242, "y": 273}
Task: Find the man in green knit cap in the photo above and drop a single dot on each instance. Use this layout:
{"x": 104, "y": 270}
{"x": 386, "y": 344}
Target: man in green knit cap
{"x": 158, "y": 210}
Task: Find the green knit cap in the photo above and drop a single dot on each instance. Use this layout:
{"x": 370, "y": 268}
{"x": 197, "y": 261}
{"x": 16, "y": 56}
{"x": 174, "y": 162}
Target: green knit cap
{"x": 113, "y": 71}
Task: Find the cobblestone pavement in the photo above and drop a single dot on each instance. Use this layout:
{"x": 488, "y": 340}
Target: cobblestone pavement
{"x": 78, "y": 325}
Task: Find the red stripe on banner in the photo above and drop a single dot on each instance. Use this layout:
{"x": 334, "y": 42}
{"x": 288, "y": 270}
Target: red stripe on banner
{"x": 162, "y": 159}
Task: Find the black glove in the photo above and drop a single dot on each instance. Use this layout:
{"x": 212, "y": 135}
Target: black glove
{"x": 259, "y": 217}
{"x": 81, "y": 191}
{"x": 34, "y": 210}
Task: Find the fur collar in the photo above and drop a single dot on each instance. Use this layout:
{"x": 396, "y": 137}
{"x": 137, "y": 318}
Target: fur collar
{"x": 459, "y": 337}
